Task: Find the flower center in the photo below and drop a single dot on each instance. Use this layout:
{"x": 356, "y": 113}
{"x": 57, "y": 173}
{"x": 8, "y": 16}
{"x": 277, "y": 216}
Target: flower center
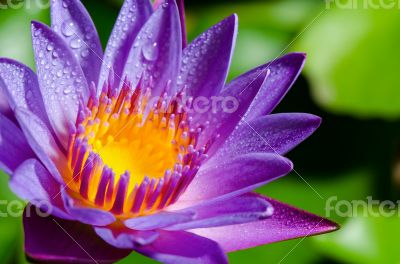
{"x": 129, "y": 155}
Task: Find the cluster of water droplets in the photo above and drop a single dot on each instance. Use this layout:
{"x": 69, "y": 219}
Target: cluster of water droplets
{"x": 22, "y": 85}
{"x": 199, "y": 57}
{"x": 124, "y": 26}
{"x": 80, "y": 38}
{"x": 70, "y": 32}
{"x": 146, "y": 50}
{"x": 61, "y": 78}
{"x": 276, "y": 69}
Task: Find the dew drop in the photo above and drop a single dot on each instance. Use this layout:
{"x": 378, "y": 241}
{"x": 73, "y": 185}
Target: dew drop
{"x": 68, "y": 28}
{"x": 85, "y": 53}
{"x": 75, "y": 43}
{"x": 150, "y": 51}
{"x": 88, "y": 36}
{"x": 50, "y": 47}
{"x": 67, "y": 90}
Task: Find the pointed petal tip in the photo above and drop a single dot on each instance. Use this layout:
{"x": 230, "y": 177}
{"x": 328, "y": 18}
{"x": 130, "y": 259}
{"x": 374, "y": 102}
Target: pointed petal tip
{"x": 314, "y": 120}
{"x": 325, "y": 226}
{"x": 296, "y": 58}
{"x": 8, "y": 60}
{"x": 320, "y": 225}
{"x": 333, "y": 226}
{"x": 37, "y": 25}
{"x": 288, "y": 164}
{"x": 233, "y": 19}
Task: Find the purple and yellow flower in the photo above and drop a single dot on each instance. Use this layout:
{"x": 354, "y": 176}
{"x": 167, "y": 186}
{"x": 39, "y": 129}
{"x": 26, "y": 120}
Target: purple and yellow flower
{"x": 112, "y": 146}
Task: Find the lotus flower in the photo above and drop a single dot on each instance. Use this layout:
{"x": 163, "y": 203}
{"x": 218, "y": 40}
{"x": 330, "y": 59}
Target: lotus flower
{"x": 85, "y": 139}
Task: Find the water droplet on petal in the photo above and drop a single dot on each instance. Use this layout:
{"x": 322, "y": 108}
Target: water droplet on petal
{"x": 67, "y": 90}
{"x": 150, "y": 51}
{"x": 68, "y": 28}
{"x": 29, "y": 94}
{"x": 85, "y": 53}
{"x": 76, "y": 43}
{"x": 88, "y": 36}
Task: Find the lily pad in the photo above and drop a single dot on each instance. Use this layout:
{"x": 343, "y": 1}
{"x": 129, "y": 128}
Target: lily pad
{"x": 353, "y": 59}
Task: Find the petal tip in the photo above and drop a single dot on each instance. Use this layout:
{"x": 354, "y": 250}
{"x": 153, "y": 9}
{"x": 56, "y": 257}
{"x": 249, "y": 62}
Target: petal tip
{"x": 35, "y": 25}
{"x": 296, "y": 58}
{"x": 314, "y": 120}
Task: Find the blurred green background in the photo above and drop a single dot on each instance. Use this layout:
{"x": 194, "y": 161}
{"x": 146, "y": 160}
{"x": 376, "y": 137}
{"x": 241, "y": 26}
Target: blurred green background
{"x": 351, "y": 80}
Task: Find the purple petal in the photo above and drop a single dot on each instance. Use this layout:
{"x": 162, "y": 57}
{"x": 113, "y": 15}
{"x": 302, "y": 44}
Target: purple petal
{"x": 14, "y": 149}
{"x": 62, "y": 82}
{"x": 206, "y": 61}
{"x": 159, "y": 220}
{"x": 42, "y": 142}
{"x": 283, "y": 73}
{"x": 237, "y": 210}
{"x": 181, "y": 7}
{"x": 133, "y": 15}
{"x": 54, "y": 240}
{"x": 4, "y": 106}
{"x": 236, "y": 177}
{"x": 21, "y": 88}
{"x": 156, "y": 52}
{"x": 86, "y": 215}
{"x": 286, "y": 223}
{"x": 32, "y": 182}
{"x": 277, "y": 133}
{"x": 126, "y": 238}
{"x": 178, "y": 247}
{"x": 70, "y": 19}
{"x": 223, "y": 118}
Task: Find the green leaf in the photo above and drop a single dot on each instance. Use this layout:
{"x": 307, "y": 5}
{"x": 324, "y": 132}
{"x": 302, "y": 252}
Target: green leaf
{"x": 265, "y": 28}
{"x": 364, "y": 240}
{"x": 307, "y": 193}
{"x": 353, "y": 60}
{"x": 15, "y": 31}
{"x": 10, "y": 224}
{"x": 136, "y": 258}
